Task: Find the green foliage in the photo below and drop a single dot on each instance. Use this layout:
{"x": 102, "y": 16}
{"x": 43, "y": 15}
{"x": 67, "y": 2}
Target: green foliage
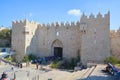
{"x": 118, "y": 65}
{"x": 54, "y": 64}
{"x": 60, "y": 64}
{"x": 25, "y": 58}
{"x": 73, "y": 62}
{"x": 78, "y": 55}
{"x": 111, "y": 59}
{"x": 64, "y": 64}
{"x": 9, "y": 59}
{"x": 32, "y": 57}
{"x": 5, "y": 34}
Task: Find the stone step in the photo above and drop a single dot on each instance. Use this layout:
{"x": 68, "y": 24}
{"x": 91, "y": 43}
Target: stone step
{"x": 82, "y": 74}
{"x": 88, "y": 72}
{"x": 97, "y": 74}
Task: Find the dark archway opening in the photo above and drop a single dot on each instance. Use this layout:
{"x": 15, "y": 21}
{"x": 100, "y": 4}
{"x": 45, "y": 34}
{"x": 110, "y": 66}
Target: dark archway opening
{"x": 58, "y": 52}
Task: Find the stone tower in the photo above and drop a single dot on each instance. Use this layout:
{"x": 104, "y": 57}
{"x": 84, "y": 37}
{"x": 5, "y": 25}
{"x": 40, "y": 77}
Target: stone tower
{"x": 95, "y": 45}
{"x": 22, "y": 33}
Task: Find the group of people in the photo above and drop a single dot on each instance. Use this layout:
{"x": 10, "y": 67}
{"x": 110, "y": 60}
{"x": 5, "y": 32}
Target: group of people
{"x": 111, "y": 69}
{"x": 4, "y": 76}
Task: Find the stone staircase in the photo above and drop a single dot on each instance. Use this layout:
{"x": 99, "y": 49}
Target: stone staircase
{"x": 88, "y": 72}
{"x": 97, "y": 74}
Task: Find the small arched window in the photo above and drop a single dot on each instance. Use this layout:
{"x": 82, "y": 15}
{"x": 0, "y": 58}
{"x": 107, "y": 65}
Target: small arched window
{"x": 57, "y": 33}
{"x": 94, "y": 30}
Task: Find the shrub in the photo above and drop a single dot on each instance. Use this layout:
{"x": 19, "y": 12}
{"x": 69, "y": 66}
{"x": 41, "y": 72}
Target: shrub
{"x": 32, "y": 57}
{"x": 25, "y": 58}
{"x": 54, "y": 64}
{"x": 64, "y": 64}
{"x": 111, "y": 59}
{"x": 9, "y": 59}
{"x": 29, "y": 57}
{"x": 73, "y": 62}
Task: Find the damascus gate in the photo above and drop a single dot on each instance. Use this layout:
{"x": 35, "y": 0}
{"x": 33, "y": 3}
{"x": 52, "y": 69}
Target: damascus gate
{"x": 89, "y": 36}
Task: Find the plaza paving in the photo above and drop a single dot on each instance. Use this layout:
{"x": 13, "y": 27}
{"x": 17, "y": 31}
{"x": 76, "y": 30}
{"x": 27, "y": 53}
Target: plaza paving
{"x": 31, "y": 73}
{"x": 97, "y": 74}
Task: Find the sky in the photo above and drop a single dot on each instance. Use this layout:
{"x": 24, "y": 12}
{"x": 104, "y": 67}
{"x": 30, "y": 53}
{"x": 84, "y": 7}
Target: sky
{"x": 48, "y": 11}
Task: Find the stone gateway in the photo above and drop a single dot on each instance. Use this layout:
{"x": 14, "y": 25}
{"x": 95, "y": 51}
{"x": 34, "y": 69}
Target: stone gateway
{"x": 89, "y": 36}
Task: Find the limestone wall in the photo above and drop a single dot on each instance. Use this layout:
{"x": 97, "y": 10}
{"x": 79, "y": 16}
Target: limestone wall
{"x": 22, "y": 33}
{"x": 18, "y": 38}
{"x": 115, "y": 43}
{"x": 67, "y": 34}
{"x": 89, "y": 35}
{"x": 95, "y": 46}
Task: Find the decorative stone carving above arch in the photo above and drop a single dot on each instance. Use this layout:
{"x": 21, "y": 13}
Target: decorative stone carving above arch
{"x": 57, "y": 43}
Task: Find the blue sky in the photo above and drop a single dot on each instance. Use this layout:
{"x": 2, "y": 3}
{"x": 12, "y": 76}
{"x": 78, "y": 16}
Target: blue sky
{"x": 47, "y": 11}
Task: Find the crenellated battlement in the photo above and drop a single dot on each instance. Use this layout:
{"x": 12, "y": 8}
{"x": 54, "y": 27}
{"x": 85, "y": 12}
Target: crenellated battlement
{"x": 61, "y": 24}
{"x": 24, "y": 22}
{"x": 84, "y": 19}
{"x": 58, "y": 24}
{"x": 19, "y": 22}
{"x": 92, "y": 16}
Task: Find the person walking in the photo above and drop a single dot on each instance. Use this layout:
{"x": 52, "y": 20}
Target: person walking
{"x": 12, "y": 68}
{"x": 37, "y": 65}
{"x": 4, "y": 76}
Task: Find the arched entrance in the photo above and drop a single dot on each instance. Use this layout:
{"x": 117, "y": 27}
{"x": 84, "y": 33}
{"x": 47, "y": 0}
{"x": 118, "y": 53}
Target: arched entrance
{"x": 57, "y": 49}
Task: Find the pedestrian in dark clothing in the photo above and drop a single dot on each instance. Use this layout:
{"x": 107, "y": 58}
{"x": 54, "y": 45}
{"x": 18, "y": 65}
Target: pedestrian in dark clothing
{"x": 37, "y": 65}
{"x": 4, "y": 76}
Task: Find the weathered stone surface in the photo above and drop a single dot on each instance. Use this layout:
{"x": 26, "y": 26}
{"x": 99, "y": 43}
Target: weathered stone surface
{"x": 89, "y": 35}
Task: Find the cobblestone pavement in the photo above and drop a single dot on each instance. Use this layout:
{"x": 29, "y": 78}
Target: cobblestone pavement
{"x": 33, "y": 74}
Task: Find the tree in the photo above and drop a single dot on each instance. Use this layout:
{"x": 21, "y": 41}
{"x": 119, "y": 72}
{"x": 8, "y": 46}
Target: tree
{"x": 5, "y": 34}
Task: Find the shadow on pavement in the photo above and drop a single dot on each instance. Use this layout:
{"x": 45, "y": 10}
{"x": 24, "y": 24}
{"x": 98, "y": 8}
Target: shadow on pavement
{"x": 98, "y": 78}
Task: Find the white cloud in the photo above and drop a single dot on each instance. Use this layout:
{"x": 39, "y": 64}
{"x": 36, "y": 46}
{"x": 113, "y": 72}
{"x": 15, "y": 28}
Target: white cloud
{"x": 75, "y": 12}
